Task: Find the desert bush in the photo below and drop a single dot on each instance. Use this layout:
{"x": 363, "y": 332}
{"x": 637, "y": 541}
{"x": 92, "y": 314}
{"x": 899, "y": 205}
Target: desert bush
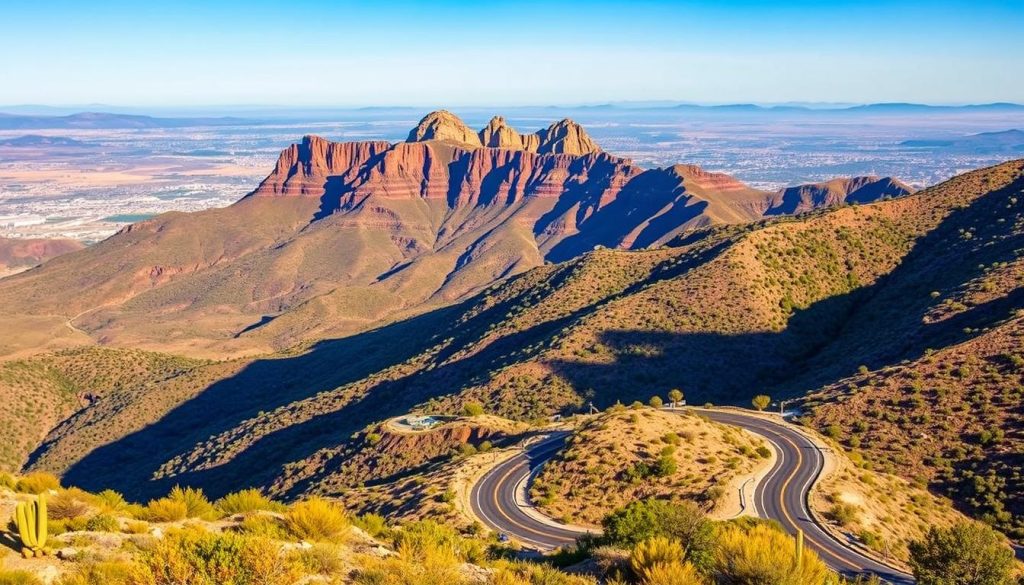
{"x": 37, "y": 482}
{"x": 428, "y": 553}
{"x": 675, "y": 573}
{"x": 102, "y": 523}
{"x": 106, "y": 573}
{"x": 973, "y": 552}
{"x": 250, "y": 500}
{"x": 18, "y": 578}
{"x": 372, "y": 524}
{"x": 67, "y": 504}
{"x": 136, "y": 527}
{"x": 646, "y": 519}
{"x": 761, "y": 554}
{"x": 525, "y": 573}
{"x": 843, "y": 513}
{"x": 195, "y": 502}
{"x": 652, "y": 552}
{"x": 420, "y": 539}
{"x": 7, "y": 481}
{"x": 316, "y": 519}
{"x": 166, "y": 510}
{"x": 264, "y": 525}
{"x": 472, "y": 409}
{"x": 321, "y": 559}
{"x": 197, "y": 557}
{"x": 112, "y": 501}
{"x": 656, "y": 402}
{"x": 761, "y": 401}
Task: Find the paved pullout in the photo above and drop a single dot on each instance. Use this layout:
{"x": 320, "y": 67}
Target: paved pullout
{"x": 500, "y": 501}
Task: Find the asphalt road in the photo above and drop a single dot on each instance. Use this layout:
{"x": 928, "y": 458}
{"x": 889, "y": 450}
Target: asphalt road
{"x": 499, "y": 498}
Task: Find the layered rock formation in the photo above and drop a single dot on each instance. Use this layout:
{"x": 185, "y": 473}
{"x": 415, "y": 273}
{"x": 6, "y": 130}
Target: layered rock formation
{"x": 343, "y": 235}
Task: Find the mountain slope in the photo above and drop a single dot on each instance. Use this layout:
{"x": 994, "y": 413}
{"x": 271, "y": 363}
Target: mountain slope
{"x": 722, "y": 313}
{"x": 342, "y": 236}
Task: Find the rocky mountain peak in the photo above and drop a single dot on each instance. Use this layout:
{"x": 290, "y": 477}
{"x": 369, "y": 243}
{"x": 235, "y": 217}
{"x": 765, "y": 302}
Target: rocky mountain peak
{"x": 566, "y": 137}
{"x": 443, "y": 125}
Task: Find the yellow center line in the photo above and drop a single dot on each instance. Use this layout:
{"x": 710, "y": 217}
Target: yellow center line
{"x": 501, "y": 510}
{"x": 785, "y": 510}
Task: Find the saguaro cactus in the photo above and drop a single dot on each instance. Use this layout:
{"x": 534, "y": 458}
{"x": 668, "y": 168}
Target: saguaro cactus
{"x": 31, "y": 519}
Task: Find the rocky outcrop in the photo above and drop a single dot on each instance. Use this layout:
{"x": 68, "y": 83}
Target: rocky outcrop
{"x": 305, "y": 168}
{"x": 566, "y": 137}
{"x": 801, "y": 198}
{"x": 443, "y": 125}
{"x": 498, "y": 134}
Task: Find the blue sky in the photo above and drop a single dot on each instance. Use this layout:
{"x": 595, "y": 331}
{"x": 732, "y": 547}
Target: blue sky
{"x": 509, "y": 53}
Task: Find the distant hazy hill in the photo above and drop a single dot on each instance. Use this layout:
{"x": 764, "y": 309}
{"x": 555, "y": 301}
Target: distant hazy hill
{"x": 21, "y": 254}
{"x": 343, "y": 235}
{"x": 35, "y": 140}
{"x": 98, "y": 120}
{"x": 1005, "y": 141}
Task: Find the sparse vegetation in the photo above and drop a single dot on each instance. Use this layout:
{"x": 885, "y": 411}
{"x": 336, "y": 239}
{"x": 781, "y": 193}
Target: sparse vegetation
{"x": 966, "y": 553}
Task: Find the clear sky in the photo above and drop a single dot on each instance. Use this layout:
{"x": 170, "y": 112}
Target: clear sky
{"x": 509, "y": 53}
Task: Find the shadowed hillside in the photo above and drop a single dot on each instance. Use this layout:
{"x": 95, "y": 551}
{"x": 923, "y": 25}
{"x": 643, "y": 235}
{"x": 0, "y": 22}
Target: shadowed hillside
{"x": 724, "y": 313}
{"x": 342, "y": 237}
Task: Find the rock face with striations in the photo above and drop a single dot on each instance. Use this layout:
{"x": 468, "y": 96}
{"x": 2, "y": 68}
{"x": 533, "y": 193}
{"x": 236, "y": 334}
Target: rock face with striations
{"x": 340, "y": 235}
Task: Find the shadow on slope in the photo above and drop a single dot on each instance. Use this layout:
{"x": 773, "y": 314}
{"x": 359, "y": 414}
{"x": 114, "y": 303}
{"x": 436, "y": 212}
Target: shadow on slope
{"x": 877, "y": 325}
{"x": 707, "y": 366}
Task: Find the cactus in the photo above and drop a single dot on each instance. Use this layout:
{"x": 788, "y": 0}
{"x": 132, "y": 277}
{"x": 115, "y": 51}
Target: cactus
{"x": 799, "y": 549}
{"x": 31, "y": 519}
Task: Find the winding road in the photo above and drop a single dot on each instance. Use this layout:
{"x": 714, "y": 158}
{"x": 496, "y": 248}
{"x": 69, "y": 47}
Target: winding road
{"x": 500, "y": 498}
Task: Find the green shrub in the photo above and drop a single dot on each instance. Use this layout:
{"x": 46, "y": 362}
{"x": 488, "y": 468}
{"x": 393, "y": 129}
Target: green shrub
{"x": 372, "y": 524}
{"x": 201, "y": 558}
{"x": 656, "y": 402}
{"x": 473, "y": 409}
{"x": 646, "y": 519}
{"x": 102, "y": 523}
{"x": 316, "y": 519}
{"x": 967, "y": 548}
{"x": 843, "y": 513}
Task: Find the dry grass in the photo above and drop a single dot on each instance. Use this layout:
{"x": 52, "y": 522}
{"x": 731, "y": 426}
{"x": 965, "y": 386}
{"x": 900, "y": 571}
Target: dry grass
{"x": 623, "y": 456}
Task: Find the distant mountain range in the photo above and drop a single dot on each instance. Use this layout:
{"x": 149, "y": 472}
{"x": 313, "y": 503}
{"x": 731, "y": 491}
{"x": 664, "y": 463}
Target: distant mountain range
{"x": 43, "y": 117}
{"x": 986, "y": 142}
{"x": 99, "y": 120}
